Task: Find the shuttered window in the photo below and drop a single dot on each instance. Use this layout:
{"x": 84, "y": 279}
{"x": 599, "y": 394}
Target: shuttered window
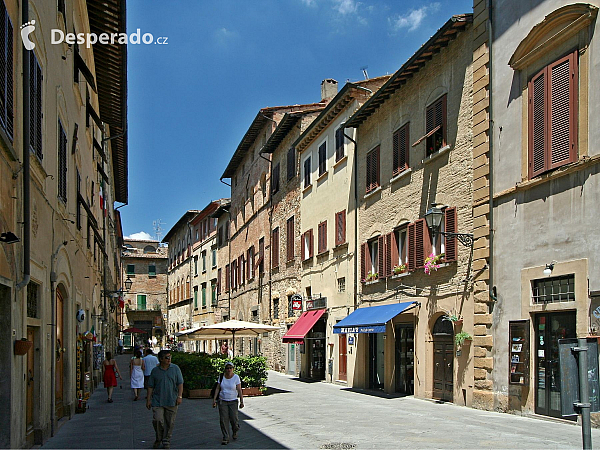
{"x": 307, "y": 170}
{"x": 6, "y": 72}
{"x": 275, "y": 247}
{"x": 275, "y": 179}
{"x": 62, "y": 163}
{"x": 35, "y": 106}
{"x": 435, "y": 126}
{"x": 322, "y": 237}
{"x": 227, "y": 278}
{"x": 323, "y": 158}
{"x": 450, "y": 225}
{"x": 219, "y": 274}
{"x": 552, "y": 115}
{"x": 400, "y": 150}
{"x": 290, "y": 238}
{"x": 291, "y": 163}
{"x": 372, "y": 174}
{"x": 372, "y": 259}
{"x": 78, "y": 200}
{"x": 340, "y": 228}
{"x": 419, "y": 244}
{"x": 339, "y": 144}
{"x": 261, "y": 256}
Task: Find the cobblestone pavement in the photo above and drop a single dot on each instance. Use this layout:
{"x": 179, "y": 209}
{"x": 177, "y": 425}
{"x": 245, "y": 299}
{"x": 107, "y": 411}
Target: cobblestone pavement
{"x": 298, "y": 414}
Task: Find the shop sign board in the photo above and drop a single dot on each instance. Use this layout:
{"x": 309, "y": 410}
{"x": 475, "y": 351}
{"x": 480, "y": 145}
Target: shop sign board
{"x": 360, "y": 329}
{"x": 297, "y": 302}
{"x": 350, "y": 340}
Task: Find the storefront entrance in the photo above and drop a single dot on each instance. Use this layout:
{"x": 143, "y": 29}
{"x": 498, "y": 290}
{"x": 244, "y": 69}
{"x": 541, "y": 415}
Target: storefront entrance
{"x": 343, "y": 357}
{"x": 291, "y": 362}
{"x": 443, "y": 360}
{"x": 376, "y": 361}
{"x": 59, "y": 356}
{"x": 549, "y": 328}
{"x": 315, "y": 341}
{"x": 405, "y": 359}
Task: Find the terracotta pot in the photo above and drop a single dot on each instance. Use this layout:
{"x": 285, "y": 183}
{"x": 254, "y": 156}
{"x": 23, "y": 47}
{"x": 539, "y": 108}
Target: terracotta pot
{"x": 22, "y": 347}
{"x": 199, "y": 393}
{"x": 251, "y": 391}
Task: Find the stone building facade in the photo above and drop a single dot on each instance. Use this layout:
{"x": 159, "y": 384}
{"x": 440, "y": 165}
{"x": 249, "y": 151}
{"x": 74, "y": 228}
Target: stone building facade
{"x": 543, "y": 178}
{"x": 285, "y": 271}
{"x": 145, "y": 265}
{"x": 327, "y": 240}
{"x": 63, "y": 162}
{"x": 414, "y": 150}
{"x": 179, "y": 276}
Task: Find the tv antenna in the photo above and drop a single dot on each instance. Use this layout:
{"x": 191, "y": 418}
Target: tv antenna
{"x": 157, "y": 225}
{"x": 364, "y": 71}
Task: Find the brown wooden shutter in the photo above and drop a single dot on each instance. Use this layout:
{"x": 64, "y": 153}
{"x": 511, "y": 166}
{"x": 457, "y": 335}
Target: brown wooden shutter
{"x": 537, "y": 124}
{"x": 322, "y": 158}
{"x": 275, "y": 248}
{"x": 303, "y": 245}
{"x": 400, "y": 149}
{"x": 290, "y": 238}
{"x": 242, "y": 268}
{"x": 339, "y": 144}
{"x": 381, "y": 256}
{"x": 388, "y": 255}
{"x": 420, "y": 242}
{"x": 291, "y": 163}
{"x": 364, "y": 257}
{"x": 219, "y": 281}
{"x": 369, "y": 172}
{"x": 393, "y": 246}
{"x": 562, "y": 107}
{"x": 412, "y": 262}
{"x": 376, "y": 168}
{"x": 451, "y": 249}
{"x": 227, "y": 280}
{"x": 310, "y": 243}
{"x": 340, "y": 228}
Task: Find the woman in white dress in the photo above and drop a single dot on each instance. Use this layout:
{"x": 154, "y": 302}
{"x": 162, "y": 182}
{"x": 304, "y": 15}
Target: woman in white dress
{"x": 136, "y": 368}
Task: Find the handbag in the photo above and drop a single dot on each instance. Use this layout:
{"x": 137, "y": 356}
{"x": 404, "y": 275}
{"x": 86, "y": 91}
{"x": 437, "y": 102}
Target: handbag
{"x": 214, "y": 388}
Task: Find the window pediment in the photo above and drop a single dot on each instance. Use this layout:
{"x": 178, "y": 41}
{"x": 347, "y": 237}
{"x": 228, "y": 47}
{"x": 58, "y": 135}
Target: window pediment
{"x": 555, "y": 29}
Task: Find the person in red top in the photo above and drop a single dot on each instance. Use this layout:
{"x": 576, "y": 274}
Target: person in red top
{"x": 109, "y": 372}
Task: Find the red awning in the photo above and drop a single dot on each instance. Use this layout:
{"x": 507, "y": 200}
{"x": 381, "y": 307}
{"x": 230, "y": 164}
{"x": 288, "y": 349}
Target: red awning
{"x": 303, "y": 325}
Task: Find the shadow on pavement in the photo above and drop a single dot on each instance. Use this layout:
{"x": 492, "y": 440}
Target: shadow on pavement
{"x": 272, "y": 390}
{"x": 374, "y": 393}
{"x": 306, "y": 380}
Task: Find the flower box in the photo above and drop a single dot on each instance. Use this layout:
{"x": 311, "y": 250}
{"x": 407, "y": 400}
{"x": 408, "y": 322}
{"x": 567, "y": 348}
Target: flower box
{"x": 22, "y": 346}
{"x": 251, "y": 391}
{"x": 199, "y": 393}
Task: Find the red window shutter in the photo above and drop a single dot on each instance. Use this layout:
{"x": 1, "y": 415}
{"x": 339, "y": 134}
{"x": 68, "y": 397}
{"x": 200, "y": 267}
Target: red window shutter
{"x": 376, "y": 168}
{"x": 444, "y": 119}
{"x": 393, "y": 251}
{"x": 303, "y": 245}
{"x": 227, "y": 277}
{"x": 310, "y": 243}
{"x": 381, "y": 256}
{"x": 219, "y": 281}
{"x": 400, "y": 149}
{"x": 537, "y": 124}
{"x": 242, "y": 268}
{"x": 451, "y": 249}
{"x": 365, "y": 261}
{"x": 248, "y": 264}
{"x": 290, "y": 238}
{"x": 275, "y": 249}
{"x": 562, "y": 107}
{"x": 412, "y": 262}
{"x": 369, "y": 171}
{"x": 340, "y": 228}
{"x": 389, "y": 260}
{"x": 422, "y": 242}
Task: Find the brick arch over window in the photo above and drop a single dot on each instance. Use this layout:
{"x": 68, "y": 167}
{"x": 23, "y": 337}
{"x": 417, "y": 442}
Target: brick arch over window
{"x": 556, "y": 28}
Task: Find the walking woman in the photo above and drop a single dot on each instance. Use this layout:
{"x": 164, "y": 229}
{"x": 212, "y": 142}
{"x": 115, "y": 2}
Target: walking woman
{"x": 109, "y": 371}
{"x": 228, "y": 390}
{"x": 136, "y": 368}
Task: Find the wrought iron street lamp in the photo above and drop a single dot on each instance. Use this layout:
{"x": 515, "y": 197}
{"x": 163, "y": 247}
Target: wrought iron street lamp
{"x": 434, "y": 217}
{"x": 128, "y": 283}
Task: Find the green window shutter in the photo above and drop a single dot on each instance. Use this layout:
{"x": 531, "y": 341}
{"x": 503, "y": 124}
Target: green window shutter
{"x": 195, "y": 297}
{"x": 213, "y": 288}
{"x": 130, "y": 269}
{"x": 141, "y": 302}
{"x": 204, "y": 296}
{"x": 152, "y": 270}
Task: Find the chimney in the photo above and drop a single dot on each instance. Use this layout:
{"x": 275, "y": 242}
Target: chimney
{"x": 329, "y": 89}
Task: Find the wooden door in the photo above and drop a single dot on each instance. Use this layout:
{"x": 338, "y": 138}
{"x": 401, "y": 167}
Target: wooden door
{"x": 59, "y": 355}
{"x": 405, "y": 359}
{"x": 443, "y": 368}
{"x": 30, "y": 384}
{"x": 343, "y": 358}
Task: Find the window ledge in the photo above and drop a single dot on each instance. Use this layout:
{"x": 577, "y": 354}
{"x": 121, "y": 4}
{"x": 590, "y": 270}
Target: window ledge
{"x": 373, "y": 192}
{"x": 339, "y": 246}
{"x": 367, "y": 283}
{"x": 440, "y": 152}
{"x": 401, "y": 175}
{"x": 400, "y": 275}
{"x": 307, "y": 188}
{"x": 340, "y": 161}
{"x": 322, "y": 176}
{"x": 324, "y": 252}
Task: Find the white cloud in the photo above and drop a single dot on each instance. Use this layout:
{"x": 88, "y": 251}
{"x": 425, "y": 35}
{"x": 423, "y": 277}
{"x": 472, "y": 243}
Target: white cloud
{"x": 141, "y": 236}
{"x": 413, "y": 19}
{"x": 310, "y": 2}
{"x": 224, "y": 36}
{"x": 346, "y": 6}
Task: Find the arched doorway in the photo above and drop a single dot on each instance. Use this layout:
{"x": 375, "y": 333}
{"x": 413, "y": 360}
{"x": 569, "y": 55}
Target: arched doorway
{"x": 443, "y": 359}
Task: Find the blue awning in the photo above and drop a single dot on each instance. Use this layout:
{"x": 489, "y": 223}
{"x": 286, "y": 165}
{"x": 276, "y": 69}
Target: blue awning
{"x": 371, "y": 319}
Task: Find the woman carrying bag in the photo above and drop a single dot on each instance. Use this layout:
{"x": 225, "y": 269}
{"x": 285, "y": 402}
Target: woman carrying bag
{"x": 227, "y": 392}
{"x": 109, "y": 372}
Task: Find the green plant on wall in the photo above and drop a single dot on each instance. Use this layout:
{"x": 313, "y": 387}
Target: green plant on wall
{"x": 460, "y": 338}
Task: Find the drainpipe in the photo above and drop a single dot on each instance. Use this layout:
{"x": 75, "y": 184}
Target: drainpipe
{"x": 492, "y": 291}
{"x": 26, "y": 145}
{"x": 355, "y": 293}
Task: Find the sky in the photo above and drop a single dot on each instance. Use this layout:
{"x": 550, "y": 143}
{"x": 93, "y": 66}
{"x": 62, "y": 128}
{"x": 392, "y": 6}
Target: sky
{"x": 191, "y": 100}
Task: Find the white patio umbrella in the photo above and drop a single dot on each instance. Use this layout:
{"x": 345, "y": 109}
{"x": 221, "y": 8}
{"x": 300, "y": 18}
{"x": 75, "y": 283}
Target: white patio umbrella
{"x": 231, "y": 328}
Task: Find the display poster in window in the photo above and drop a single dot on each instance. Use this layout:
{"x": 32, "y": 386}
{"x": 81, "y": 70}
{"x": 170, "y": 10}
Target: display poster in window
{"x": 98, "y": 356}
{"x": 519, "y": 352}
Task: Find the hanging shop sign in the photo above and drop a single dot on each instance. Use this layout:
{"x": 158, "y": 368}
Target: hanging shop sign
{"x": 296, "y": 302}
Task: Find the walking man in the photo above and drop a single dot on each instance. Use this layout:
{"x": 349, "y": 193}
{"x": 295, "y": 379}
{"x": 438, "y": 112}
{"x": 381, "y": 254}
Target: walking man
{"x": 150, "y": 362}
{"x": 120, "y": 345}
{"x": 165, "y": 392}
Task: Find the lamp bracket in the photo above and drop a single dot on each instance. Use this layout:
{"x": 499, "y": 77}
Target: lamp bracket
{"x": 465, "y": 239}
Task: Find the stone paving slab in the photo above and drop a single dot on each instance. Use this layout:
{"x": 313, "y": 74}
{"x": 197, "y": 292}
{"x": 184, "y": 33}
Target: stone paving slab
{"x": 298, "y": 415}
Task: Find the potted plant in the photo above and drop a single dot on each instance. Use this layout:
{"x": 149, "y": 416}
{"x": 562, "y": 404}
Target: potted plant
{"x": 372, "y": 276}
{"x": 22, "y": 346}
{"x": 400, "y": 268}
{"x": 454, "y": 318}
{"x": 460, "y": 338}
{"x": 432, "y": 262}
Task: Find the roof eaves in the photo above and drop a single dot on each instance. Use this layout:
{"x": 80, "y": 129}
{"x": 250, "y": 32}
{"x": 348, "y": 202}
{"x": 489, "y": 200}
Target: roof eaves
{"x": 184, "y": 219}
{"x": 440, "y": 39}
